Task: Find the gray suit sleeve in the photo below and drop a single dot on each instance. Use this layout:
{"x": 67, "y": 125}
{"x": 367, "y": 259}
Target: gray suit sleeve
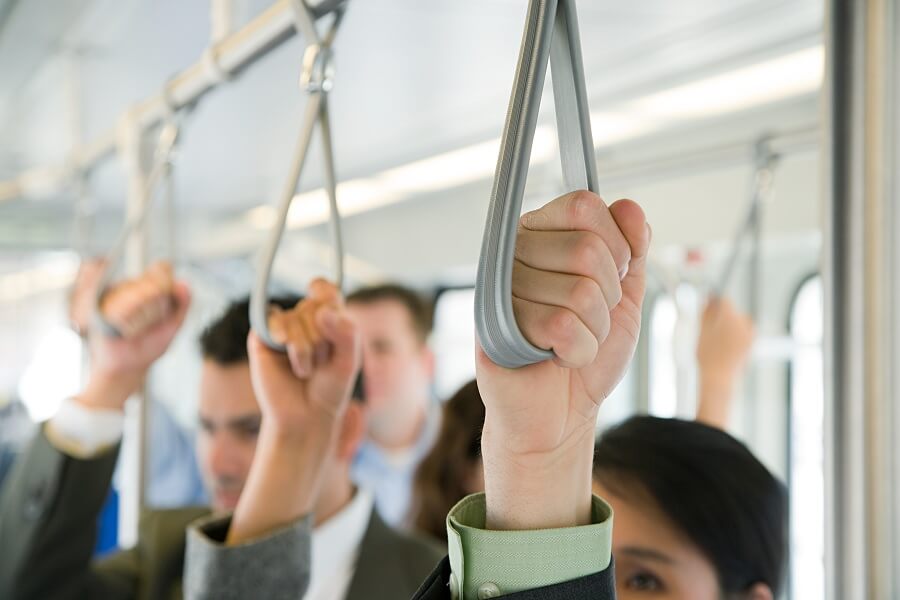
{"x": 48, "y": 517}
{"x": 276, "y": 566}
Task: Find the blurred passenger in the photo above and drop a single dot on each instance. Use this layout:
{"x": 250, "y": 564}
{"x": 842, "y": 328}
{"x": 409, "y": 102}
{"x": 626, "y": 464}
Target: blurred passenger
{"x": 60, "y": 482}
{"x": 453, "y": 469}
{"x": 300, "y": 397}
{"x": 173, "y": 477}
{"x": 724, "y": 343}
{"x": 403, "y": 415}
{"x": 697, "y": 516}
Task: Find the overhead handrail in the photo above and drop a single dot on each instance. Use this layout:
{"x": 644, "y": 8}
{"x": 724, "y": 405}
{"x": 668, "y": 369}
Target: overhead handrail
{"x": 551, "y": 35}
{"x": 317, "y": 81}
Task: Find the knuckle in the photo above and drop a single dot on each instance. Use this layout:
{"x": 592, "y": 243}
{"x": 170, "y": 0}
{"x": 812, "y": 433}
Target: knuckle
{"x": 587, "y": 297}
{"x": 563, "y": 327}
{"x": 588, "y": 253}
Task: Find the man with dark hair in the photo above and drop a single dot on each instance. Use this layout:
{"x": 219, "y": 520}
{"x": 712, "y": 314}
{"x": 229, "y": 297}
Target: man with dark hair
{"x": 403, "y": 416}
{"x": 48, "y": 511}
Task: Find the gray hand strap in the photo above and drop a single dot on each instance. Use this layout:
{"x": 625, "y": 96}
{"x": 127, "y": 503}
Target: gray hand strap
{"x": 160, "y": 171}
{"x": 551, "y": 33}
{"x": 763, "y": 176}
{"x": 317, "y": 81}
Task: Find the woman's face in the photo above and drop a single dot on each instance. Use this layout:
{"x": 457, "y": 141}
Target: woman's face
{"x": 653, "y": 559}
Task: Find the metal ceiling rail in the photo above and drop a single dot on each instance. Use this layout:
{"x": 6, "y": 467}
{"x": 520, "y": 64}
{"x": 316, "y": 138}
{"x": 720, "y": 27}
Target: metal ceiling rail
{"x": 218, "y": 62}
{"x": 616, "y": 172}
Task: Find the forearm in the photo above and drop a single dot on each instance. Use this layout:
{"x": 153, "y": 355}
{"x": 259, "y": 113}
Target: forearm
{"x": 538, "y": 491}
{"x": 282, "y": 484}
{"x": 716, "y": 397}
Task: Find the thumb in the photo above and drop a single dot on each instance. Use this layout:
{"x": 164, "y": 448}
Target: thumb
{"x": 633, "y": 224}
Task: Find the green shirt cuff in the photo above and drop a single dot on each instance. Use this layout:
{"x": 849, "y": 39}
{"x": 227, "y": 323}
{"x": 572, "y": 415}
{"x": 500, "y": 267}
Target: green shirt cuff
{"x": 487, "y": 564}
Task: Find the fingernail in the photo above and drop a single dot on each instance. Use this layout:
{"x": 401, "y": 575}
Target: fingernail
{"x": 623, "y": 272}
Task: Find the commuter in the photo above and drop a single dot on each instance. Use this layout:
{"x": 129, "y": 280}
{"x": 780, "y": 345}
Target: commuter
{"x": 48, "y": 512}
{"x": 403, "y": 415}
{"x": 173, "y": 478}
{"x": 698, "y": 517}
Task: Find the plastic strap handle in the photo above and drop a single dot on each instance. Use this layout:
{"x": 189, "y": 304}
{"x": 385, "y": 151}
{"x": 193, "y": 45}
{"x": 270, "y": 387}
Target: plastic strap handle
{"x": 762, "y": 188}
{"x": 259, "y": 299}
{"x": 551, "y": 35}
{"x": 316, "y": 78}
{"x": 168, "y": 137}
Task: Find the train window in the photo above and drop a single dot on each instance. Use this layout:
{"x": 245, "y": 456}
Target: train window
{"x": 453, "y": 340}
{"x": 672, "y": 366}
{"x": 54, "y": 373}
{"x": 807, "y": 446}
{"x": 663, "y": 400}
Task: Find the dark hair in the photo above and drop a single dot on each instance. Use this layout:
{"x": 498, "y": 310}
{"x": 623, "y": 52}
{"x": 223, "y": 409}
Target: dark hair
{"x": 420, "y": 310}
{"x": 711, "y": 487}
{"x": 439, "y": 482}
{"x": 224, "y": 341}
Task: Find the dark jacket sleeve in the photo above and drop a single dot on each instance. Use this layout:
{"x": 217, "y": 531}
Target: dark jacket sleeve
{"x": 275, "y": 566}
{"x": 48, "y": 521}
{"x": 599, "y": 586}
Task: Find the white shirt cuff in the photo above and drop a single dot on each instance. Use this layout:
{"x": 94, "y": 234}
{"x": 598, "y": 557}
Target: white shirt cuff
{"x": 83, "y": 432}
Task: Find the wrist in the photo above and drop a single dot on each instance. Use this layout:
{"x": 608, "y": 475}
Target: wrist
{"x": 312, "y": 435}
{"x": 538, "y": 490}
{"x": 719, "y": 379}
{"x": 109, "y": 391}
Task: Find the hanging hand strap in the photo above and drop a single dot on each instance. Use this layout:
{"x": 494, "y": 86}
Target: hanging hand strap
{"x": 761, "y": 190}
{"x": 161, "y": 169}
{"x": 551, "y": 35}
{"x": 317, "y": 82}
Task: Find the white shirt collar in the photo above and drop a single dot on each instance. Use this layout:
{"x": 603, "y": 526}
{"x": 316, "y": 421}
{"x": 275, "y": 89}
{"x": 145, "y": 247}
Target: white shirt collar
{"x": 335, "y": 548}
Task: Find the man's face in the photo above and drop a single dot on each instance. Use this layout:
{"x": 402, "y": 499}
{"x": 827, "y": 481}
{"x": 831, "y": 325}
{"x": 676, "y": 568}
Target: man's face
{"x": 396, "y": 364}
{"x": 229, "y": 425}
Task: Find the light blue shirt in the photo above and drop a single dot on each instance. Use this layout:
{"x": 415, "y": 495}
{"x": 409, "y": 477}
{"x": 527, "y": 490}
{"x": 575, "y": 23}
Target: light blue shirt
{"x": 390, "y": 475}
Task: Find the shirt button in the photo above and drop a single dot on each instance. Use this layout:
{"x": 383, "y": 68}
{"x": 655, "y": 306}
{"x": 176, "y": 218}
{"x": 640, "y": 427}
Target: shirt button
{"x": 454, "y": 586}
{"x": 488, "y": 590}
